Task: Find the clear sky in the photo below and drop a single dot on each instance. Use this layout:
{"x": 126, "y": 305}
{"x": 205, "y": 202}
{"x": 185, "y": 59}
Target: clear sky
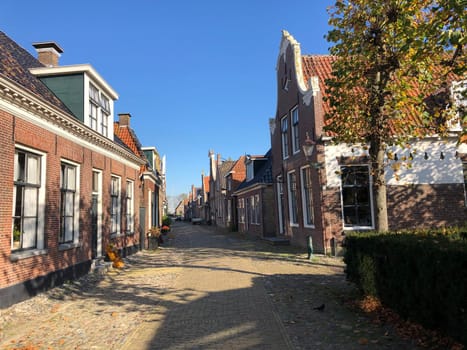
{"x": 194, "y": 74}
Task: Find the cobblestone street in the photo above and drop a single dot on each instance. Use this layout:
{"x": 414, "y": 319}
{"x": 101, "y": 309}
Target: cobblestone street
{"x": 204, "y": 289}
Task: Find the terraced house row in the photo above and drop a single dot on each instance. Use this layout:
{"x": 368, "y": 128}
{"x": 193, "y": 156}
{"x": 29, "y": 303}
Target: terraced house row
{"x": 307, "y": 189}
{"x": 72, "y": 180}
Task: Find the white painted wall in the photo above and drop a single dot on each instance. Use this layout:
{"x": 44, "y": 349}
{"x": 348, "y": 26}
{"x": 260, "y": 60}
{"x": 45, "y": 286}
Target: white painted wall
{"x": 430, "y": 171}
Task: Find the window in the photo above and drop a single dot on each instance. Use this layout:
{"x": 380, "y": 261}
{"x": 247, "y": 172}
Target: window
{"x": 93, "y": 111}
{"x": 295, "y": 131}
{"x": 250, "y": 171}
{"x": 130, "y": 220}
{"x": 115, "y": 205}
{"x": 105, "y": 124}
{"x": 307, "y": 197}
{"x": 27, "y": 213}
{"x": 356, "y": 196}
{"x": 241, "y": 210}
{"x": 255, "y": 211}
{"x": 99, "y": 111}
{"x": 293, "y": 198}
{"x": 69, "y": 209}
{"x": 284, "y": 137}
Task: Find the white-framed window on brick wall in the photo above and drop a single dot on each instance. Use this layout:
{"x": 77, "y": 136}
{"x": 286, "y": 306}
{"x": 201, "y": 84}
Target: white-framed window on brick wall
{"x": 69, "y": 202}
{"x": 129, "y": 207}
{"x": 307, "y": 196}
{"x": 115, "y": 209}
{"x": 356, "y": 197}
{"x": 285, "y": 137}
{"x": 28, "y": 200}
{"x": 295, "y": 131}
{"x": 292, "y": 194}
{"x": 241, "y": 210}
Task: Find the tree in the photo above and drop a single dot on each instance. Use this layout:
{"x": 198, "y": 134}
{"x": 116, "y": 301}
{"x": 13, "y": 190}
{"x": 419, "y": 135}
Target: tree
{"x": 391, "y": 55}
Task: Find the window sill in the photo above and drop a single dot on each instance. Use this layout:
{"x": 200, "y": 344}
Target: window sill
{"x": 358, "y": 228}
{"x": 129, "y": 233}
{"x": 115, "y": 235}
{"x": 15, "y": 256}
{"x": 293, "y": 225}
{"x": 66, "y": 246}
{"x": 309, "y": 226}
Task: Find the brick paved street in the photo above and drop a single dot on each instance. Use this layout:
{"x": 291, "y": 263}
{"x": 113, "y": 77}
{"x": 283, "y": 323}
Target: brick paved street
{"x": 204, "y": 289}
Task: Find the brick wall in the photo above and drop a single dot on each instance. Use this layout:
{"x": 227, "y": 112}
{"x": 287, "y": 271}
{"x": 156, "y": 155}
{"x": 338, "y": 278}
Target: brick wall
{"x": 57, "y": 148}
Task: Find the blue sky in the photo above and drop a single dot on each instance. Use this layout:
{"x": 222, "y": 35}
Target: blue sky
{"x": 195, "y": 75}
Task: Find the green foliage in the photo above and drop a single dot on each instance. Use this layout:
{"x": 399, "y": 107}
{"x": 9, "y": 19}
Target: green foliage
{"x": 421, "y": 274}
{"x": 166, "y": 221}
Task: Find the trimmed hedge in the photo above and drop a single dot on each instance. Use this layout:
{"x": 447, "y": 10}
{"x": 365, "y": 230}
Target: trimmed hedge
{"x": 420, "y": 274}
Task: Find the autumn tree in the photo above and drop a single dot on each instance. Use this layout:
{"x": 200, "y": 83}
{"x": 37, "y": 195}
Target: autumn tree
{"x": 390, "y": 56}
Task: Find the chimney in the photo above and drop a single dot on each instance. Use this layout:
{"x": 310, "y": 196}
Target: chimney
{"x": 124, "y": 119}
{"x": 48, "y": 53}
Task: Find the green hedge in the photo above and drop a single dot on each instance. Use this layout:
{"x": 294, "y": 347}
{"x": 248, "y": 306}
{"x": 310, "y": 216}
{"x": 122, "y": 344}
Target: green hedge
{"x": 422, "y": 275}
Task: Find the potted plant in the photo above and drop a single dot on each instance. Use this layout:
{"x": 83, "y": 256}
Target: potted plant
{"x": 154, "y": 235}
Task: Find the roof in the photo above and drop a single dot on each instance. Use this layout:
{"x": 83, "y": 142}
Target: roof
{"x": 321, "y": 66}
{"x": 318, "y": 66}
{"x": 262, "y": 176}
{"x": 223, "y": 169}
{"x": 15, "y": 63}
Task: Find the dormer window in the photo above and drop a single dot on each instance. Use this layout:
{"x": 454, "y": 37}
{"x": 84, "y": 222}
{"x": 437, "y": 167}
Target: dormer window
{"x": 250, "y": 173}
{"x": 99, "y": 111}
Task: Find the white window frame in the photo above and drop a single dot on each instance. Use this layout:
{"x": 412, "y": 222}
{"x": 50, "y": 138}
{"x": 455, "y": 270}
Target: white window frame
{"x": 115, "y": 205}
{"x": 76, "y": 196}
{"x": 280, "y": 199}
{"x": 40, "y": 221}
{"x": 100, "y": 110}
{"x": 307, "y": 197}
{"x": 295, "y": 130}
{"x": 98, "y": 191}
{"x": 130, "y": 205}
{"x": 370, "y": 186}
{"x": 292, "y": 203}
{"x": 285, "y": 136}
{"x": 241, "y": 210}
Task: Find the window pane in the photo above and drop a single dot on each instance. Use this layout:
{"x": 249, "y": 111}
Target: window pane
{"x": 350, "y": 217}
{"x": 95, "y": 181}
{"x": 364, "y": 216}
{"x": 29, "y": 232}
{"x": 30, "y": 201}
{"x": 71, "y": 178}
{"x": 33, "y": 170}
{"x": 69, "y": 203}
{"x": 68, "y": 229}
{"x": 20, "y": 159}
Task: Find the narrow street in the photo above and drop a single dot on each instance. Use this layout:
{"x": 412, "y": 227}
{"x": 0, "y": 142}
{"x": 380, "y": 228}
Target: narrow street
{"x": 203, "y": 289}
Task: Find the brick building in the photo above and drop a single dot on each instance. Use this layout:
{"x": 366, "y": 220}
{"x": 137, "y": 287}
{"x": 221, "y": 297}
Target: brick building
{"x": 254, "y": 198}
{"x": 329, "y": 193}
{"x": 68, "y": 186}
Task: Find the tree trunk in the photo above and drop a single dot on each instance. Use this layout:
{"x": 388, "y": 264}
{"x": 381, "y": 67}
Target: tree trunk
{"x": 379, "y": 186}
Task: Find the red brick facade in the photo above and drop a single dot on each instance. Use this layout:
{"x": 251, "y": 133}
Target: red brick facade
{"x": 18, "y": 132}
{"x": 432, "y": 194}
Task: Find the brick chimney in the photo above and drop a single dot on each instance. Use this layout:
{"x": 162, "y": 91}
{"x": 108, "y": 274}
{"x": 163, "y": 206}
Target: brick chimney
{"x": 124, "y": 119}
{"x": 48, "y": 53}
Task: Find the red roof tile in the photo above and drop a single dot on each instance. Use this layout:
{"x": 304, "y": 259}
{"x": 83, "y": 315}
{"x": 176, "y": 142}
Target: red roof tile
{"x": 126, "y": 136}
